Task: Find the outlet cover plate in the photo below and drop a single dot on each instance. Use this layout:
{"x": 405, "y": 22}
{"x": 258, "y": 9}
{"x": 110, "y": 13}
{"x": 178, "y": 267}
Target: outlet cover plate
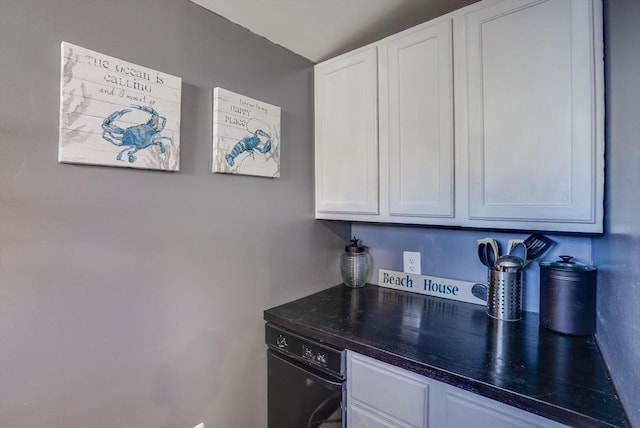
{"x": 412, "y": 262}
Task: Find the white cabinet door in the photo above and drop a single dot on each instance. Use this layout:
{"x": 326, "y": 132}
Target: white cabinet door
{"x": 347, "y": 134}
{"x": 530, "y": 105}
{"x": 466, "y": 410}
{"x": 416, "y": 121}
{"x": 394, "y": 395}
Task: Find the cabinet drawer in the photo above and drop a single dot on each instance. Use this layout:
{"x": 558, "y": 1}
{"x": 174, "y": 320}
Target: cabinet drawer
{"x": 467, "y": 410}
{"x": 373, "y": 383}
{"x": 363, "y": 418}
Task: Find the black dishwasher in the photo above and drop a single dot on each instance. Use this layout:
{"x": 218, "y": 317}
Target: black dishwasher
{"x": 306, "y": 381}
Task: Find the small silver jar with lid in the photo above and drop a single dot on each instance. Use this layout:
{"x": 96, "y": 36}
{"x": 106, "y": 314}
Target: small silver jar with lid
{"x": 355, "y": 264}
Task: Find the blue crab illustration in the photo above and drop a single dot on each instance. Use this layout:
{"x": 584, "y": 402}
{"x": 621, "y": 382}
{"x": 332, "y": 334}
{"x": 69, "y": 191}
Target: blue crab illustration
{"x": 249, "y": 144}
{"x": 135, "y": 137}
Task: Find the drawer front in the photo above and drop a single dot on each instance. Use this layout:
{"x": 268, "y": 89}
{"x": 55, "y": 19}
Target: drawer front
{"x": 363, "y": 418}
{"x": 388, "y": 390}
{"x": 467, "y": 410}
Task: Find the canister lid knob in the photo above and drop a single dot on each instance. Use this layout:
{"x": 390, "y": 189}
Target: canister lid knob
{"x": 355, "y": 246}
{"x": 566, "y": 259}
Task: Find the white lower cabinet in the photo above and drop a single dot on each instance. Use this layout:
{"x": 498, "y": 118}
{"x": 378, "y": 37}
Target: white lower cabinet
{"x": 468, "y": 410}
{"x": 380, "y": 395}
{"x": 390, "y": 396}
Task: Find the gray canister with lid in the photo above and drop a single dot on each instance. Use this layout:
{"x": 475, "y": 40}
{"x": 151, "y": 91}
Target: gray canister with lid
{"x": 568, "y": 296}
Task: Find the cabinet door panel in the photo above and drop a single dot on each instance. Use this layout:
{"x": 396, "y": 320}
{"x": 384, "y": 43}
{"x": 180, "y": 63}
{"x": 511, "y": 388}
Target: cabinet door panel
{"x": 419, "y": 114}
{"x": 467, "y": 410}
{"x": 533, "y": 143}
{"x": 347, "y": 134}
{"x": 362, "y": 418}
{"x": 374, "y": 383}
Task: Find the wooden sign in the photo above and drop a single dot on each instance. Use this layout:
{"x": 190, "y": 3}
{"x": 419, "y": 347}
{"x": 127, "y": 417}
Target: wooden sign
{"x": 246, "y": 135}
{"x": 116, "y": 113}
{"x": 432, "y": 286}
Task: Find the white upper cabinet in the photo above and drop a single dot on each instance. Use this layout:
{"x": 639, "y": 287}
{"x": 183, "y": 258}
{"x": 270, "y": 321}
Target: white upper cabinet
{"x": 529, "y": 111}
{"x": 416, "y": 121}
{"x": 490, "y": 116}
{"x": 413, "y": 180}
{"x": 346, "y": 126}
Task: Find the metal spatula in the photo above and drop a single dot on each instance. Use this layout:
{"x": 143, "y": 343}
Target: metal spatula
{"x": 537, "y": 245}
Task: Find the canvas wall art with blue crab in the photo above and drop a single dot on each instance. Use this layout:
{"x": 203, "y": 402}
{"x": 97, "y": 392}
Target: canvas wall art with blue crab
{"x": 246, "y": 135}
{"x": 116, "y": 113}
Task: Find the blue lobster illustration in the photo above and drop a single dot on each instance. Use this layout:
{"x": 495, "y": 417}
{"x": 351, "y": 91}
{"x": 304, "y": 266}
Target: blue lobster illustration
{"x": 135, "y": 137}
{"x": 249, "y": 144}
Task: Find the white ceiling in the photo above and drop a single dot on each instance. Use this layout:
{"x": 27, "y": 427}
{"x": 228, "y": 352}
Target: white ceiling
{"x": 321, "y": 29}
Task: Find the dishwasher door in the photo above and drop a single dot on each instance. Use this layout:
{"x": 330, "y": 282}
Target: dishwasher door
{"x": 300, "y": 396}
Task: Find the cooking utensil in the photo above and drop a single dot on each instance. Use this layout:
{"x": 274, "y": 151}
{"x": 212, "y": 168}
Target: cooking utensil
{"x": 488, "y": 252}
{"x": 537, "y": 245}
{"x": 509, "y": 263}
{"x": 516, "y": 247}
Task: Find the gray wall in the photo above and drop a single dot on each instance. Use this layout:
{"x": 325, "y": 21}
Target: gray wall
{"x": 617, "y": 254}
{"x": 133, "y": 298}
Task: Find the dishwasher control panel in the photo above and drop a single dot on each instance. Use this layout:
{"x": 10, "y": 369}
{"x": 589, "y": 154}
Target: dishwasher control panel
{"x": 314, "y": 356}
{"x": 305, "y": 349}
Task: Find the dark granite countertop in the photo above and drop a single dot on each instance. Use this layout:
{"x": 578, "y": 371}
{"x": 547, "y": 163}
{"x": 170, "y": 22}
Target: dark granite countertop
{"x": 560, "y": 377}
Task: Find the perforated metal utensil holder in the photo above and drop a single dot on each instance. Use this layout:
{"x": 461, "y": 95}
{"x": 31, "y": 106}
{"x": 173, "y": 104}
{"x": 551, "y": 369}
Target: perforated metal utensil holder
{"x": 504, "y": 297}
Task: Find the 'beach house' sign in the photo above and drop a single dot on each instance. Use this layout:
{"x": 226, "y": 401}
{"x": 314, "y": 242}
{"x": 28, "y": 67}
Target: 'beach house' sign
{"x": 431, "y": 285}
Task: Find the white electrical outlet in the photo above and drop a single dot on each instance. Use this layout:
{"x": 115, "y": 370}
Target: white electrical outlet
{"x": 412, "y": 262}
{"x": 200, "y": 425}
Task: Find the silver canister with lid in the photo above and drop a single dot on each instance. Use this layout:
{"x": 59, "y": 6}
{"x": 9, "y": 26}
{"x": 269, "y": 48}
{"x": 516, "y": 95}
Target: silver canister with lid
{"x": 568, "y": 296}
{"x": 355, "y": 264}
{"x": 504, "y": 296}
